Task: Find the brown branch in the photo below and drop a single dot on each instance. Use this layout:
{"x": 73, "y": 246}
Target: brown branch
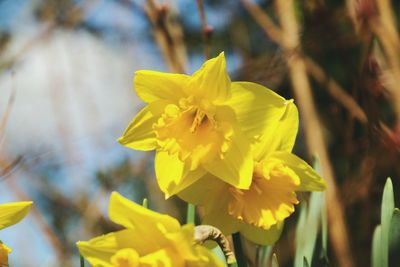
{"x": 203, "y": 233}
{"x": 334, "y": 89}
{"x": 167, "y": 37}
{"x": 207, "y": 30}
{"x": 315, "y": 139}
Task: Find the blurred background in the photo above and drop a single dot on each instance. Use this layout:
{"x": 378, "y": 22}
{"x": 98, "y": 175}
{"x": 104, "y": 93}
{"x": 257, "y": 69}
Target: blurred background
{"x": 66, "y": 71}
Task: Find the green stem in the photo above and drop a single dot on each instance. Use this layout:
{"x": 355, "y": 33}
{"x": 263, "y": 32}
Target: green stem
{"x": 237, "y": 244}
{"x": 145, "y": 203}
{"x": 191, "y": 214}
{"x": 82, "y": 261}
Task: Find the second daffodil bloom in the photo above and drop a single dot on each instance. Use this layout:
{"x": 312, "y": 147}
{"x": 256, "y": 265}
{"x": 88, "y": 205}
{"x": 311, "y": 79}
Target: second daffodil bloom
{"x": 258, "y": 212}
{"x": 201, "y": 123}
{"x": 10, "y": 214}
{"x": 149, "y": 240}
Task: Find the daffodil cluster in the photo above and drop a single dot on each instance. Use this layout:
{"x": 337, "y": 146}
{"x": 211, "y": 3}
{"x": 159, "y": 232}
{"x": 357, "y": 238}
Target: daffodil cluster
{"x": 223, "y": 145}
{"x": 10, "y": 214}
{"x": 148, "y": 239}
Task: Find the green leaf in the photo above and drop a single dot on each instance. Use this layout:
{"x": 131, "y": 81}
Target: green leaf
{"x": 274, "y": 262}
{"x": 394, "y": 238}
{"x": 376, "y": 247}
{"x": 308, "y": 227}
{"x": 263, "y": 255}
{"x": 305, "y": 262}
{"x": 82, "y": 261}
{"x": 191, "y": 214}
{"x": 386, "y": 216}
{"x": 145, "y": 203}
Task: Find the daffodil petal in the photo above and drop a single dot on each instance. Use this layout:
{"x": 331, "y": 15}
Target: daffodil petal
{"x": 236, "y": 166}
{"x": 4, "y": 251}
{"x": 173, "y": 175}
{"x": 195, "y": 193}
{"x": 211, "y": 81}
{"x": 216, "y": 212}
{"x": 310, "y": 180}
{"x": 257, "y": 108}
{"x": 217, "y": 215}
{"x": 153, "y": 85}
{"x": 131, "y": 215}
{"x": 283, "y": 137}
{"x": 183, "y": 241}
{"x": 99, "y": 250}
{"x": 261, "y": 236}
{"x": 140, "y": 134}
{"x": 12, "y": 213}
{"x": 205, "y": 259}
{"x": 163, "y": 257}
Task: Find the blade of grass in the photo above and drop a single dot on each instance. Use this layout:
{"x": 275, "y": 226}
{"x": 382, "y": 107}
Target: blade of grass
{"x": 386, "y": 216}
{"x": 394, "y": 238}
{"x": 376, "y": 247}
{"x": 305, "y": 262}
{"x": 274, "y": 262}
{"x": 263, "y": 255}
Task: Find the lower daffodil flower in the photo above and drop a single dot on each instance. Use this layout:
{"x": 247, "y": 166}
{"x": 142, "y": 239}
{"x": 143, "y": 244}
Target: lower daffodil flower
{"x": 10, "y": 214}
{"x": 150, "y": 239}
{"x": 201, "y": 123}
{"x": 259, "y": 212}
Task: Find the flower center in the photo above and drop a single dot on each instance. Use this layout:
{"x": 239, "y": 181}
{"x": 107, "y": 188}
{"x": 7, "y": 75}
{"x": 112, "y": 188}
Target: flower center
{"x": 192, "y": 131}
{"x": 270, "y": 198}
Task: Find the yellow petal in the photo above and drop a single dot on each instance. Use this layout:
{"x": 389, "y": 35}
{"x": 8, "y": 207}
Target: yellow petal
{"x": 4, "y": 251}
{"x": 99, "y": 250}
{"x": 127, "y": 257}
{"x": 310, "y": 180}
{"x": 144, "y": 221}
{"x": 205, "y": 258}
{"x": 195, "y": 193}
{"x": 164, "y": 258}
{"x": 211, "y": 81}
{"x": 271, "y": 197}
{"x": 153, "y": 85}
{"x": 257, "y": 108}
{"x": 12, "y": 213}
{"x": 140, "y": 134}
{"x": 173, "y": 175}
{"x": 283, "y": 137}
{"x": 261, "y": 236}
{"x": 183, "y": 241}
{"x": 236, "y": 166}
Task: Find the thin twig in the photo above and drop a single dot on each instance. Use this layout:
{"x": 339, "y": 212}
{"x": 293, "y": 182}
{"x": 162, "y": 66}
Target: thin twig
{"x": 207, "y": 30}
{"x": 336, "y": 91}
{"x": 167, "y": 37}
{"x": 315, "y": 140}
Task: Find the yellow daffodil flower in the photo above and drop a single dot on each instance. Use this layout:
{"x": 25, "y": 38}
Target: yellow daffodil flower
{"x": 201, "y": 123}
{"x": 10, "y": 214}
{"x": 258, "y": 212}
{"x": 150, "y": 239}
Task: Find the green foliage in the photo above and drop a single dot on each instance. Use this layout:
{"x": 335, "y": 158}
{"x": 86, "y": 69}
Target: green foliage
{"x": 264, "y": 254}
{"x": 386, "y": 238}
{"x": 274, "y": 262}
{"x": 191, "y": 214}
